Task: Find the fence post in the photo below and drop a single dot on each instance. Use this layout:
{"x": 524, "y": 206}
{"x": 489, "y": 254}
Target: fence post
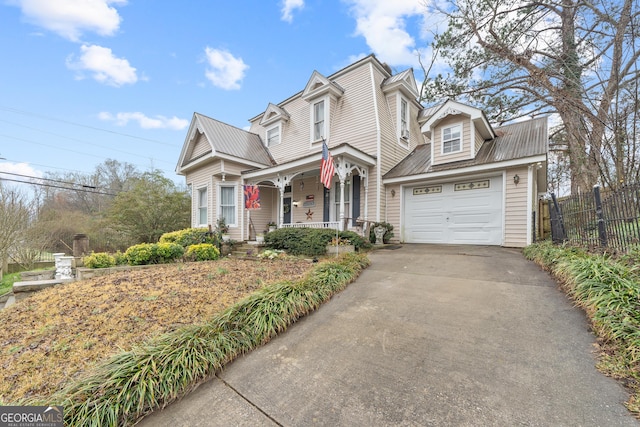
{"x": 602, "y": 230}
{"x": 558, "y": 232}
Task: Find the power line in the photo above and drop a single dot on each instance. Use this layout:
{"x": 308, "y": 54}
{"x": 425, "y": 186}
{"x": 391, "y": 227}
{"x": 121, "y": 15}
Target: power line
{"x": 49, "y": 179}
{"x": 42, "y": 184}
{"x": 28, "y": 113}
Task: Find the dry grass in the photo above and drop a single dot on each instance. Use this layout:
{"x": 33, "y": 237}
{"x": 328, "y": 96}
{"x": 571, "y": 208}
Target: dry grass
{"x": 60, "y": 332}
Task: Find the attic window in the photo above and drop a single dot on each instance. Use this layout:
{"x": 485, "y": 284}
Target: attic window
{"x": 451, "y": 142}
{"x": 273, "y": 136}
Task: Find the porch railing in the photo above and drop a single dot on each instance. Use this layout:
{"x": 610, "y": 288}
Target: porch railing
{"x": 330, "y": 224}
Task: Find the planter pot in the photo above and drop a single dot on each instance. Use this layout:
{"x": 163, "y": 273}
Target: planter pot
{"x": 272, "y": 228}
{"x": 226, "y": 237}
{"x": 340, "y": 249}
{"x": 260, "y": 238}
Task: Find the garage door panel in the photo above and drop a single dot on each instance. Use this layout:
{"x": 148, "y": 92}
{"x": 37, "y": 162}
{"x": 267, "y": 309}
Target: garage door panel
{"x": 472, "y": 216}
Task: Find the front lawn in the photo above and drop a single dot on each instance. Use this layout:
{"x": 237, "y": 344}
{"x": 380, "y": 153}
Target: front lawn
{"x": 59, "y": 333}
{"x": 7, "y": 282}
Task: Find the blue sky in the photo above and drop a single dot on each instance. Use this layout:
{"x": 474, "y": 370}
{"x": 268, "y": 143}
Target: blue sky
{"x": 83, "y": 81}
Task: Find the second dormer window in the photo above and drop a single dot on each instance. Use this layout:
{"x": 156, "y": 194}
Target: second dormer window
{"x": 318, "y": 121}
{"x": 451, "y": 142}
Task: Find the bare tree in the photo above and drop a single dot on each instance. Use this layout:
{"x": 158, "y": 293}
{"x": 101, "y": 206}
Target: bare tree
{"x": 532, "y": 57}
{"x": 15, "y": 212}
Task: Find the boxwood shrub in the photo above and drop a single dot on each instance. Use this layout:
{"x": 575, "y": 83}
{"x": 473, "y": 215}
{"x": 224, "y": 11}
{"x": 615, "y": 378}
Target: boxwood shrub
{"x": 153, "y": 253}
{"x": 202, "y": 252}
{"x": 190, "y": 236}
{"x": 99, "y": 260}
{"x": 310, "y": 241}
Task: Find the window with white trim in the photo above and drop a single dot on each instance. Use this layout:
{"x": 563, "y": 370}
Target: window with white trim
{"x": 273, "y": 136}
{"x": 318, "y": 120}
{"x": 228, "y": 204}
{"x": 451, "y": 139}
{"x": 404, "y": 119}
{"x": 203, "y": 218}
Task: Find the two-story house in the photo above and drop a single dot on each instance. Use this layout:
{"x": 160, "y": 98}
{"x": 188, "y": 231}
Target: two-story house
{"x": 440, "y": 175}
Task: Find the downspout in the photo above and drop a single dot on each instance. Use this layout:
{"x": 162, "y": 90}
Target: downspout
{"x": 529, "y": 205}
{"x": 378, "y": 145}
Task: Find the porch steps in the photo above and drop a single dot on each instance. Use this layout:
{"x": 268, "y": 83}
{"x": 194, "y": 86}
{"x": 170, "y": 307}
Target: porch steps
{"x": 246, "y": 250}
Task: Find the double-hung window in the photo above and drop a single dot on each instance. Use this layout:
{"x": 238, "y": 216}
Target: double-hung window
{"x": 202, "y": 206}
{"x": 273, "y": 136}
{"x": 451, "y": 142}
{"x": 404, "y": 119}
{"x": 318, "y": 121}
{"x": 228, "y": 204}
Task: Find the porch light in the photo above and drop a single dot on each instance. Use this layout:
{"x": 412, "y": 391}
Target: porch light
{"x": 295, "y": 203}
{"x": 516, "y": 179}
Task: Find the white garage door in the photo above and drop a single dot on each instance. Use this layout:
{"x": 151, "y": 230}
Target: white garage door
{"x": 461, "y": 212}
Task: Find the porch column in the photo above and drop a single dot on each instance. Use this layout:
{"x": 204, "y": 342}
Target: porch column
{"x": 341, "y": 226}
{"x": 281, "y": 206}
{"x": 366, "y": 196}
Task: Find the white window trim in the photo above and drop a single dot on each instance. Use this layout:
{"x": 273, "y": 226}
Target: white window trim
{"x": 235, "y": 201}
{"x": 460, "y": 124}
{"x": 199, "y": 205}
{"x": 266, "y": 135}
{"x": 327, "y": 116}
{"x": 404, "y": 142}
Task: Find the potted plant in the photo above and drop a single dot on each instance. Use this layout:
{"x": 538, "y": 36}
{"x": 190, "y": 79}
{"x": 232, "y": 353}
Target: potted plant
{"x": 260, "y": 237}
{"x": 223, "y": 229}
{"x": 339, "y": 245}
{"x": 272, "y": 226}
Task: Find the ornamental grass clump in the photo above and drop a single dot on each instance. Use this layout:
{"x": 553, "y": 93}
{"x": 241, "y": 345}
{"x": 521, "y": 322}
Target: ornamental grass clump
{"x": 608, "y": 289}
{"x": 163, "y": 369}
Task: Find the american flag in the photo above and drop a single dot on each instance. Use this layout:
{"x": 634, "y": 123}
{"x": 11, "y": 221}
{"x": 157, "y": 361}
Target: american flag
{"x": 326, "y": 166}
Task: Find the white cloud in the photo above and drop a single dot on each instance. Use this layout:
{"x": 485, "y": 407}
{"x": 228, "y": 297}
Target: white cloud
{"x": 383, "y": 25}
{"x": 225, "y": 71}
{"x": 288, "y": 6}
{"x": 103, "y": 65}
{"x": 70, "y": 18}
{"x": 145, "y": 122}
{"x": 19, "y": 168}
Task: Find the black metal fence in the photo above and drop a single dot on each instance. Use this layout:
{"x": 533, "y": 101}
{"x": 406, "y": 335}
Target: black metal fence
{"x": 598, "y": 219}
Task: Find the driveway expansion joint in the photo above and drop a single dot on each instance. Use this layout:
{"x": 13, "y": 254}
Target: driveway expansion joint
{"x": 243, "y": 397}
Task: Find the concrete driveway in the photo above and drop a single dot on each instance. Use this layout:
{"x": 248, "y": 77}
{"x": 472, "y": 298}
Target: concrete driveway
{"x": 427, "y": 336}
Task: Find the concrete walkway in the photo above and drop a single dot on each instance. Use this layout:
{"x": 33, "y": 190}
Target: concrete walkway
{"x": 427, "y": 336}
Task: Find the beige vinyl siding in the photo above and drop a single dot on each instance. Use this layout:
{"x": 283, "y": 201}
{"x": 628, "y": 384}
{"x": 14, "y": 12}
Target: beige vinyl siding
{"x": 200, "y": 147}
{"x": 479, "y": 142}
{"x": 438, "y": 157}
{"x": 199, "y": 179}
{"x": 269, "y": 200}
{"x": 516, "y": 209}
{"x": 393, "y": 208}
{"x": 232, "y": 168}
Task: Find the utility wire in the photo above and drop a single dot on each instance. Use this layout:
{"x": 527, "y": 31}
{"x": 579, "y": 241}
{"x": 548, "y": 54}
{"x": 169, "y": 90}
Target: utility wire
{"x": 42, "y": 184}
{"x": 49, "y": 179}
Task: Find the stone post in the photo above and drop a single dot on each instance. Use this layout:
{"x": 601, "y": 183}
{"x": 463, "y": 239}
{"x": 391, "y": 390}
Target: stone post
{"x": 65, "y": 270}
{"x": 80, "y": 245}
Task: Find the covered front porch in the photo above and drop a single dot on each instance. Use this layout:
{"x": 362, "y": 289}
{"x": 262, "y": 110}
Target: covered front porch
{"x": 292, "y": 195}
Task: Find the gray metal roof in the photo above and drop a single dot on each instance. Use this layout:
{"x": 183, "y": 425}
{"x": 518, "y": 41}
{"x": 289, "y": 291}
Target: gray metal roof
{"x": 234, "y": 141}
{"x": 514, "y": 141}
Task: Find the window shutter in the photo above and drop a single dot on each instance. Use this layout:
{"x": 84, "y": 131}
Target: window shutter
{"x": 355, "y": 207}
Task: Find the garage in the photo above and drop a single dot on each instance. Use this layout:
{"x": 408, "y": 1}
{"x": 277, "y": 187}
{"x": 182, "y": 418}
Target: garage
{"x": 468, "y": 211}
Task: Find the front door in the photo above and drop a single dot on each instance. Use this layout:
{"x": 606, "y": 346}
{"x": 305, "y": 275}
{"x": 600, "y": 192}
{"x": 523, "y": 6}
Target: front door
{"x": 287, "y": 210}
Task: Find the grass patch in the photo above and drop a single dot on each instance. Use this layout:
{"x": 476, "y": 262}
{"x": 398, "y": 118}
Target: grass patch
{"x": 7, "y": 282}
{"x": 164, "y": 368}
{"x": 608, "y": 289}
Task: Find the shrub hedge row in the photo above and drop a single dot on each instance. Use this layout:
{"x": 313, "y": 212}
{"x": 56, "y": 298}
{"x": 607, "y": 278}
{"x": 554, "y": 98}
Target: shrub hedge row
{"x": 310, "y": 241}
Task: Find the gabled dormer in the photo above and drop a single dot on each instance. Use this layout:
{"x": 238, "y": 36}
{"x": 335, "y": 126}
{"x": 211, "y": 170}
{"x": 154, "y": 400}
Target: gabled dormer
{"x": 322, "y": 96}
{"x": 456, "y": 131}
{"x": 272, "y": 121}
{"x": 401, "y": 92}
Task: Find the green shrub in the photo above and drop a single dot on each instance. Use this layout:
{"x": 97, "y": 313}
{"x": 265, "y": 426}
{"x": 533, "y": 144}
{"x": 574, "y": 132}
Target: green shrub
{"x": 153, "y": 253}
{"x": 309, "y": 241}
{"x": 387, "y": 234}
{"x": 202, "y": 252}
{"x": 190, "y": 236}
{"x": 120, "y": 258}
{"x": 99, "y": 260}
